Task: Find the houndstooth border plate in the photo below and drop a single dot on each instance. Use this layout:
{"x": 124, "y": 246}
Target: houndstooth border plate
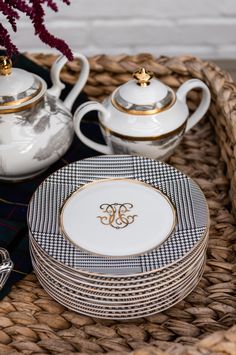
{"x": 188, "y": 199}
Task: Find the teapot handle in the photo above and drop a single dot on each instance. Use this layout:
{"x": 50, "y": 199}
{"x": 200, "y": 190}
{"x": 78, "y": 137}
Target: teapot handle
{"x": 58, "y": 86}
{"x": 79, "y": 114}
{"x": 204, "y": 104}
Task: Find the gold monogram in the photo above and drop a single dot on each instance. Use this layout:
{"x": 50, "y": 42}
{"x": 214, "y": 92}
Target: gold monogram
{"x": 117, "y": 215}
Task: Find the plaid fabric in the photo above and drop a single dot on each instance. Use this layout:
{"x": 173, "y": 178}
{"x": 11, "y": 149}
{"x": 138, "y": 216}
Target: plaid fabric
{"x": 14, "y": 197}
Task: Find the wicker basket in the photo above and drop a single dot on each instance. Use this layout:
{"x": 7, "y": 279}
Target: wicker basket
{"x": 32, "y": 323}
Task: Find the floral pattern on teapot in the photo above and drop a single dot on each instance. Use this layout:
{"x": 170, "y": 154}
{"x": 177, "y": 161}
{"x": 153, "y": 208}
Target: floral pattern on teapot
{"x": 144, "y": 117}
{"x": 36, "y": 129}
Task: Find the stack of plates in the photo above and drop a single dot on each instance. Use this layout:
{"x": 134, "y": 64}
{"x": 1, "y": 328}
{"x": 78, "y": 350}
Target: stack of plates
{"x": 118, "y": 236}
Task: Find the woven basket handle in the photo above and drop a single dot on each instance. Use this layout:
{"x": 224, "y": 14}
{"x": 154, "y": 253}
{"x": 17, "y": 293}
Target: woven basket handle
{"x": 204, "y": 104}
{"x": 78, "y": 116}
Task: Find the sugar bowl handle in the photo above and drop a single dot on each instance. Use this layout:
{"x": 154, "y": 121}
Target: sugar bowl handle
{"x": 204, "y": 104}
{"x": 58, "y": 86}
{"x": 78, "y": 116}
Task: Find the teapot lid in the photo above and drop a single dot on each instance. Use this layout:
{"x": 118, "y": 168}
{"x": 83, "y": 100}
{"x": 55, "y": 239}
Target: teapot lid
{"x": 18, "y": 87}
{"x": 144, "y": 95}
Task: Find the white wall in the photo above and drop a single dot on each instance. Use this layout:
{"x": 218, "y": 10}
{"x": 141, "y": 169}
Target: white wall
{"x": 206, "y": 28}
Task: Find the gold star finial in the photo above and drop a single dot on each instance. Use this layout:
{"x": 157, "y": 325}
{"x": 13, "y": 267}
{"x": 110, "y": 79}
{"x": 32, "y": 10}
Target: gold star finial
{"x": 143, "y": 77}
{"x": 5, "y": 65}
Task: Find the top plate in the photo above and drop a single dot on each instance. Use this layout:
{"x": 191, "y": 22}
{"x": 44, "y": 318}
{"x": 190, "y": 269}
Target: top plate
{"x": 117, "y": 217}
{"x": 188, "y": 199}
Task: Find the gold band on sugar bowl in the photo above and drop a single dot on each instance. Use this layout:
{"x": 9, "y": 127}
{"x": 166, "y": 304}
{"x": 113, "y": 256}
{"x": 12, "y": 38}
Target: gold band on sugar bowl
{"x": 108, "y": 131}
{"x": 143, "y": 110}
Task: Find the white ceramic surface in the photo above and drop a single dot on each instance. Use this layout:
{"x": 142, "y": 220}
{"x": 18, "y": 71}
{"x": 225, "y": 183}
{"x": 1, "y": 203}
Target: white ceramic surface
{"x": 117, "y": 217}
{"x": 109, "y": 283}
{"x": 122, "y": 304}
{"x": 125, "y": 293}
{"x": 120, "y": 294}
{"x": 147, "y": 95}
{"x": 45, "y": 208}
{"x": 147, "y": 284}
{"x": 40, "y": 129}
{"x": 101, "y": 311}
{"x": 120, "y": 289}
{"x": 153, "y": 135}
{"x": 18, "y": 82}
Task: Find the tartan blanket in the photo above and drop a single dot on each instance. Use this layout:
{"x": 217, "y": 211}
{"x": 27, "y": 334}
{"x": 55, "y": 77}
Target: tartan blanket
{"x": 14, "y": 197}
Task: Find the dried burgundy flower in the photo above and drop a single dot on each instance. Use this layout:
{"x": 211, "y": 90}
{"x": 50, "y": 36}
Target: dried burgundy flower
{"x": 33, "y": 9}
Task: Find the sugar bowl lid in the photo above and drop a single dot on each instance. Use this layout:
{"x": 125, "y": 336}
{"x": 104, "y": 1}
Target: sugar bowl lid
{"x": 144, "y": 95}
{"x": 18, "y": 87}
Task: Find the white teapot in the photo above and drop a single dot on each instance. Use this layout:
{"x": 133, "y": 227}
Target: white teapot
{"x": 36, "y": 128}
{"x": 144, "y": 117}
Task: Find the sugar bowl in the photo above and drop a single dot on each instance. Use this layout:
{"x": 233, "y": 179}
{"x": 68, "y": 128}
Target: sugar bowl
{"x": 144, "y": 116}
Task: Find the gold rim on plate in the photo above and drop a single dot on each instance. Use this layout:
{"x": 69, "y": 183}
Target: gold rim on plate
{"x": 132, "y": 181}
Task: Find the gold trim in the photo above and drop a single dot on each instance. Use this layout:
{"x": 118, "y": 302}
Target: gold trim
{"x": 87, "y": 287}
{"x": 205, "y": 236}
{"x": 183, "y": 275}
{"x": 151, "y": 138}
{"x": 180, "y": 280}
{"x": 116, "y": 215}
{"x": 24, "y": 99}
{"x": 5, "y": 65}
{"x": 184, "y": 264}
{"x": 23, "y": 107}
{"x": 143, "y": 113}
{"x": 81, "y": 307}
{"x": 133, "y": 181}
{"x": 143, "y": 76}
